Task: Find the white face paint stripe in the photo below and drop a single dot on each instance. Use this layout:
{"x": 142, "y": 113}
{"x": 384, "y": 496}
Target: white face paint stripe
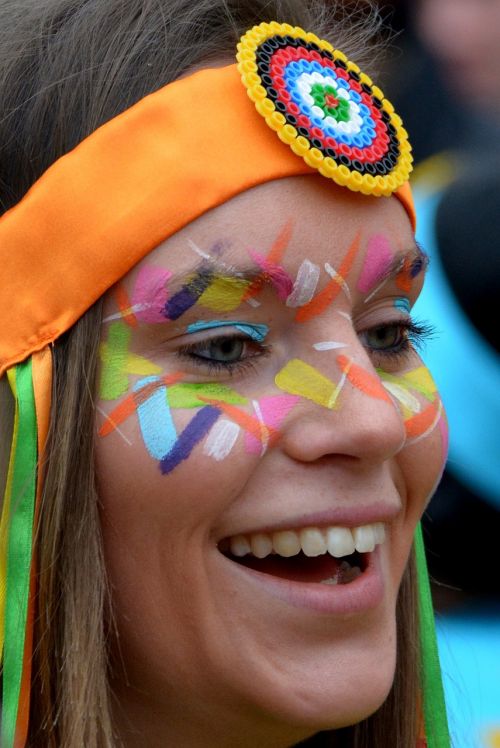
{"x": 305, "y": 284}
{"x": 221, "y": 439}
{"x": 115, "y": 427}
{"x": 404, "y": 397}
{"x": 265, "y": 430}
{"x": 329, "y": 345}
{"x": 333, "y": 274}
{"x": 345, "y": 315}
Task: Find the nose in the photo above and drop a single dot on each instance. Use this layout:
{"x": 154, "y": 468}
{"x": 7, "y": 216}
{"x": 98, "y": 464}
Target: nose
{"x": 358, "y": 420}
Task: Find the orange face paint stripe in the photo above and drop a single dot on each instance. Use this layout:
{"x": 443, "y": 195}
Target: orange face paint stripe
{"x": 125, "y": 409}
{"x": 403, "y": 278}
{"x": 419, "y": 423}
{"x": 363, "y": 380}
{"x": 124, "y": 305}
{"x": 246, "y": 421}
{"x": 319, "y": 303}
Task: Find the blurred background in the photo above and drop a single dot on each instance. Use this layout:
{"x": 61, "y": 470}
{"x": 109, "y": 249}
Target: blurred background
{"x": 441, "y": 70}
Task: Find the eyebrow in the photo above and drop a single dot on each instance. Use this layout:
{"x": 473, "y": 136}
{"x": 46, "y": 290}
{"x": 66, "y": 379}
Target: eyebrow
{"x": 414, "y": 261}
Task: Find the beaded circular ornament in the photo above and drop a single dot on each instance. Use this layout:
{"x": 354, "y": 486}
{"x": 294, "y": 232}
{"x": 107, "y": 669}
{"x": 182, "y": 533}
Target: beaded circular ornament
{"x": 322, "y": 105}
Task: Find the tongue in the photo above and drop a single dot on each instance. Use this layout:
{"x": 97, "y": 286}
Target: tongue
{"x": 301, "y": 568}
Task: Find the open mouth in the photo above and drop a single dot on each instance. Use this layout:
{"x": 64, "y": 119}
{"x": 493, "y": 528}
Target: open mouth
{"x": 331, "y": 555}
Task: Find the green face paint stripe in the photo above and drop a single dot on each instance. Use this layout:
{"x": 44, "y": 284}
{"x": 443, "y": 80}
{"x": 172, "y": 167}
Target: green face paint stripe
{"x": 19, "y": 550}
{"x": 436, "y": 722}
{"x": 113, "y": 353}
{"x": 188, "y": 394}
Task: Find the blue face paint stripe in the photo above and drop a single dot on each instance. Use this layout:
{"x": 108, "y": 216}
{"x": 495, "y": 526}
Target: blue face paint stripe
{"x": 255, "y": 331}
{"x": 403, "y": 304}
{"x": 194, "y": 432}
{"x": 155, "y": 420}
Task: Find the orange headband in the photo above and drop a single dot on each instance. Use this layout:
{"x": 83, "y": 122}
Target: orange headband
{"x": 98, "y": 210}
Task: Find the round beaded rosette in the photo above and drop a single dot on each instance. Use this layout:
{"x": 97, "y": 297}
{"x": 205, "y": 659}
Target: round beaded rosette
{"x": 322, "y": 105}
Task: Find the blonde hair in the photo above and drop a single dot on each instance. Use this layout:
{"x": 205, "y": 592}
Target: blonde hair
{"x": 67, "y": 66}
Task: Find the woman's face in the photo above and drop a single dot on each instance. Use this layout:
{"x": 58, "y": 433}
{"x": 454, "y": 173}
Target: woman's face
{"x": 268, "y": 439}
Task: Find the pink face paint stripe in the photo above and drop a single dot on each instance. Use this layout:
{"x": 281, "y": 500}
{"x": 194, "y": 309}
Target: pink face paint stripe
{"x": 274, "y": 409}
{"x": 378, "y": 259}
{"x": 150, "y": 294}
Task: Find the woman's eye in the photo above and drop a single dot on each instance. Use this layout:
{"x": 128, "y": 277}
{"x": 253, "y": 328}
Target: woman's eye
{"x": 225, "y": 353}
{"x": 385, "y": 337}
{"x": 226, "y": 350}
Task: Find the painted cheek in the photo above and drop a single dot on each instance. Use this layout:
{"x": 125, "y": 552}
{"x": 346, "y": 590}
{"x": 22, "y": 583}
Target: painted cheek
{"x": 420, "y": 405}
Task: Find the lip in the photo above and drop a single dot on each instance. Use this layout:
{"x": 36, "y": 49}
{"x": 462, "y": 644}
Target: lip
{"x": 346, "y": 516}
{"x": 360, "y": 596}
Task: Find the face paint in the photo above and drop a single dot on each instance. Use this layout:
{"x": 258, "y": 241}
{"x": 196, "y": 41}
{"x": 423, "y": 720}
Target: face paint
{"x": 377, "y": 261}
{"x": 271, "y": 268}
{"x": 319, "y": 303}
{"x": 113, "y": 355}
{"x": 304, "y": 285}
{"x": 129, "y": 405}
{"x": 150, "y": 294}
{"x": 367, "y": 383}
{"x": 273, "y": 410}
{"x": 403, "y": 304}
{"x": 299, "y": 378}
{"x": 188, "y": 294}
{"x": 224, "y": 294}
{"x": 251, "y": 424}
{"x": 155, "y": 420}
{"x": 118, "y": 363}
{"x": 328, "y": 345}
{"x": 338, "y": 278}
{"x": 195, "y": 394}
{"x": 194, "y": 432}
{"x": 221, "y": 439}
{"x": 255, "y": 331}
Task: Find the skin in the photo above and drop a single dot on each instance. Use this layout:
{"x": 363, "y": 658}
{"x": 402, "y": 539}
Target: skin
{"x": 205, "y": 657}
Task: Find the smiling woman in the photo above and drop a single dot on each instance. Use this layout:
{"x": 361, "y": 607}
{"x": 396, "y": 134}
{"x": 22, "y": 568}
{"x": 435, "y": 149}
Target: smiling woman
{"x": 222, "y": 434}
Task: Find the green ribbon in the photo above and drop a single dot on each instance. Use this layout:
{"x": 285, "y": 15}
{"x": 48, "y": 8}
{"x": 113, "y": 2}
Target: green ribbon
{"x": 19, "y": 551}
{"x": 436, "y": 722}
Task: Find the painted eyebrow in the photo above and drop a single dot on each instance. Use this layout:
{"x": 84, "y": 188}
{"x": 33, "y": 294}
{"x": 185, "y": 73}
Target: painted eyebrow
{"x": 415, "y": 258}
{"x": 203, "y": 273}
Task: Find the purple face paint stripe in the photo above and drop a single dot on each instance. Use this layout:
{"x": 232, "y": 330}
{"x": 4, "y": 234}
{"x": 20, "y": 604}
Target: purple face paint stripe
{"x": 188, "y": 295}
{"x": 194, "y": 432}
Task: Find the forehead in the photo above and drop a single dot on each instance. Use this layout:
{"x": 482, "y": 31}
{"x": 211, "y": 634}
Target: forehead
{"x": 314, "y": 218}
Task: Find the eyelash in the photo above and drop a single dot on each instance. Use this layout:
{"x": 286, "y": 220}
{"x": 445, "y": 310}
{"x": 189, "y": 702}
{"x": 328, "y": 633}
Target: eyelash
{"x": 413, "y": 335}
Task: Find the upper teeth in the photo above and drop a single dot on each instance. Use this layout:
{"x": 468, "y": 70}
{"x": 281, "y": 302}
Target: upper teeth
{"x": 312, "y": 541}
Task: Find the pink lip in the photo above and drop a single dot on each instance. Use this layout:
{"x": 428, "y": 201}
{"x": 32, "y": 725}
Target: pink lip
{"x": 360, "y": 596}
{"x": 347, "y": 516}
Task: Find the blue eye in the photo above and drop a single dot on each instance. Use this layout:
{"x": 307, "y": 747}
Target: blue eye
{"x": 224, "y": 350}
{"x": 224, "y": 353}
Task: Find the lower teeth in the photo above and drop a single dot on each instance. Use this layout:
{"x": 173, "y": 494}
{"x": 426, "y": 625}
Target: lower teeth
{"x": 344, "y": 574}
